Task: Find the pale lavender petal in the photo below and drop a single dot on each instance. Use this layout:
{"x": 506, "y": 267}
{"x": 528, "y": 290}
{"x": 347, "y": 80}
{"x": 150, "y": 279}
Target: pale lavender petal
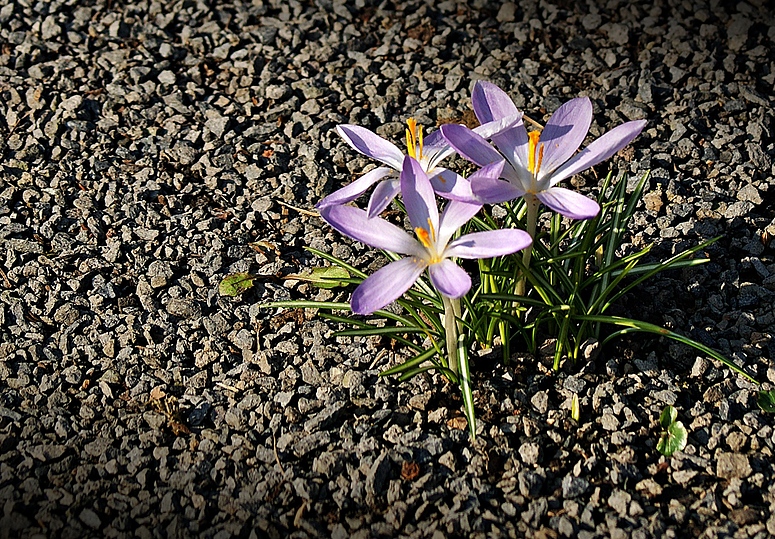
{"x": 489, "y": 191}
{"x": 569, "y": 203}
{"x": 600, "y": 149}
{"x": 564, "y": 132}
{"x": 436, "y": 152}
{"x": 491, "y": 103}
{"x": 372, "y": 145}
{"x": 386, "y": 285}
{"x": 513, "y": 144}
{"x": 356, "y": 224}
{"x": 418, "y": 196}
{"x": 382, "y": 195}
{"x": 449, "y": 279}
{"x": 495, "y": 127}
{"x": 489, "y": 244}
{"x": 355, "y": 189}
{"x": 470, "y": 145}
{"x": 435, "y": 149}
{"x": 451, "y": 185}
{"x": 455, "y": 215}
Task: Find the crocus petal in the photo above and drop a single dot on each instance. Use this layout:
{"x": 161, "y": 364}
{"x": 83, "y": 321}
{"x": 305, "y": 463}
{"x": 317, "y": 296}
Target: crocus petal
{"x": 491, "y": 103}
{"x": 356, "y": 224}
{"x": 470, "y": 145}
{"x": 600, "y": 149}
{"x": 489, "y": 244}
{"x": 449, "y": 279}
{"x": 440, "y": 151}
{"x": 386, "y": 285}
{"x": 569, "y": 203}
{"x": 564, "y": 132}
{"x": 372, "y": 145}
{"x": 451, "y": 185}
{"x": 489, "y": 191}
{"x": 513, "y": 144}
{"x": 382, "y": 195}
{"x": 495, "y": 127}
{"x": 355, "y": 189}
{"x": 418, "y": 196}
{"x": 435, "y": 149}
{"x": 455, "y": 215}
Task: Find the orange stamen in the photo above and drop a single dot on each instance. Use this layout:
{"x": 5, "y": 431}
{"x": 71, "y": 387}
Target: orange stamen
{"x": 424, "y": 237}
{"x": 531, "y": 151}
{"x": 413, "y": 139}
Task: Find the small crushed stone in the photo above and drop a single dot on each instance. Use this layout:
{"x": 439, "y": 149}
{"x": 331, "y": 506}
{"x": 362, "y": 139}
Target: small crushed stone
{"x": 149, "y": 149}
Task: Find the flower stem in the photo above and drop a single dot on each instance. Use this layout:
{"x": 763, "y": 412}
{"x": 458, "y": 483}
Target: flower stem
{"x": 452, "y": 313}
{"x": 527, "y": 253}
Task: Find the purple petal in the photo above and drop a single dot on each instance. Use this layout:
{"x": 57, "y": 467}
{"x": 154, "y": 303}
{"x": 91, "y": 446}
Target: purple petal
{"x": 489, "y": 191}
{"x": 513, "y": 144}
{"x": 418, "y": 196}
{"x": 449, "y": 279}
{"x": 435, "y": 149}
{"x": 438, "y": 150}
{"x": 355, "y": 189}
{"x": 492, "y": 171}
{"x": 600, "y": 149}
{"x": 494, "y": 128}
{"x": 386, "y": 285}
{"x": 564, "y": 132}
{"x": 569, "y": 203}
{"x": 372, "y": 145}
{"x": 491, "y": 103}
{"x": 455, "y": 215}
{"x": 356, "y": 224}
{"x": 470, "y": 145}
{"x": 489, "y": 244}
{"x": 382, "y": 195}
{"x": 451, "y": 185}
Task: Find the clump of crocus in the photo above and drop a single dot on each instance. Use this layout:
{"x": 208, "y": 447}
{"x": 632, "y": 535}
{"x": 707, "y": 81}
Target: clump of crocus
{"x": 565, "y": 297}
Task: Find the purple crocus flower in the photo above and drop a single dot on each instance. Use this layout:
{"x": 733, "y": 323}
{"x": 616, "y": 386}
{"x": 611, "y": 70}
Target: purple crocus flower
{"x": 537, "y": 161}
{"x": 428, "y": 152}
{"x": 431, "y": 249}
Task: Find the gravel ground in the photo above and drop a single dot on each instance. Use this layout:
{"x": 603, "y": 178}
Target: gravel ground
{"x": 149, "y": 149}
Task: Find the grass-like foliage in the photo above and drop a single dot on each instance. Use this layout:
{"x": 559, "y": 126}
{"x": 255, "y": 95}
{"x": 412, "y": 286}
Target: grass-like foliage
{"x": 577, "y": 273}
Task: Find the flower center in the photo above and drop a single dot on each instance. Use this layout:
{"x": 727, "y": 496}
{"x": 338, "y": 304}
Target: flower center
{"x": 413, "y": 139}
{"x": 427, "y": 238}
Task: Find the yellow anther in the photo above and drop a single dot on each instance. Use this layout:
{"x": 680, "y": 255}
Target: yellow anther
{"x": 413, "y": 139}
{"x": 419, "y": 143}
{"x": 531, "y": 152}
{"x": 427, "y": 236}
{"x": 540, "y": 158}
{"x": 424, "y": 237}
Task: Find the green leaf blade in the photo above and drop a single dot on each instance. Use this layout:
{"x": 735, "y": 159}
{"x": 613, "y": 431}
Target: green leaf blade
{"x": 668, "y": 417}
{"x": 673, "y": 439}
{"x": 766, "y": 401}
{"x": 235, "y": 284}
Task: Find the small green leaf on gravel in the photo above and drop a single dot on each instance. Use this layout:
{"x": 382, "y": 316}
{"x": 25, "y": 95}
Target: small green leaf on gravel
{"x": 668, "y": 417}
{"x": 766, "y": 401}
{"x": 673, "y": 439}
{"x": 326, "y": 277}
{"x": 235, "y": 284}
{"x": 575, "y": 412}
